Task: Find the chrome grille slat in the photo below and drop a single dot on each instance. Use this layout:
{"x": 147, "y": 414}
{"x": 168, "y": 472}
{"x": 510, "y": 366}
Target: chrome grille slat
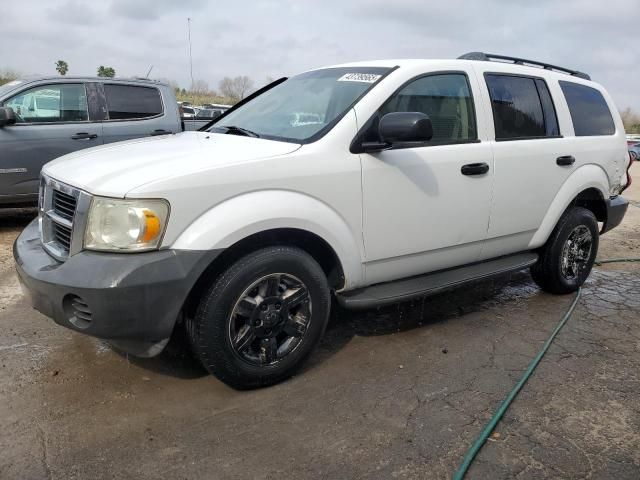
{"x": 64, "y": 208}
{"x": 59, "y": 202}
{"x": 63, "y": 204}
{"x": 63, "y": 235}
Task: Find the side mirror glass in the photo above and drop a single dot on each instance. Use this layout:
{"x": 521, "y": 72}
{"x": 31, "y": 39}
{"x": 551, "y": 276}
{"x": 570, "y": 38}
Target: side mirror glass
{"x": 7, "y": 116}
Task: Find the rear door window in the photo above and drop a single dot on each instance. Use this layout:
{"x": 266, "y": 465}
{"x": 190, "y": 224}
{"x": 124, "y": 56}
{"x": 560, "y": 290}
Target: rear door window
{"x": 522, "y": 107}
{"x": 589, "y": 111}
{"x": 129, "y": 102}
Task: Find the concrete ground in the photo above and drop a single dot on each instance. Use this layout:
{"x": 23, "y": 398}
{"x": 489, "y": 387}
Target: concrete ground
{"x": 399, "y": 392}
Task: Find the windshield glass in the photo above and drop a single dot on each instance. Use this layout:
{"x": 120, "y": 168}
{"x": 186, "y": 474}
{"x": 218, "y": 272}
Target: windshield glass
{"x": 304, "y": 107}
{"x": 7, "y": 87}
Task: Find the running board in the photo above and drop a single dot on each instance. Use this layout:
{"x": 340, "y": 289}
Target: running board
{"x": 432, "y": 283}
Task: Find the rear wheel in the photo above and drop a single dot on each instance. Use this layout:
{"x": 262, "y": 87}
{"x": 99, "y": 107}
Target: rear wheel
{"x": 262, "y": 317}
{"x": 567, "y": 257}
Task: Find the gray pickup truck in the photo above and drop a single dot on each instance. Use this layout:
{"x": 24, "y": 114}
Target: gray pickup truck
{"x": 47, "y": 117}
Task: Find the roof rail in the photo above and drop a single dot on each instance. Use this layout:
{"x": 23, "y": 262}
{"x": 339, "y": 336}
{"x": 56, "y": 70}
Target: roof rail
{"x": 488, "y": 57}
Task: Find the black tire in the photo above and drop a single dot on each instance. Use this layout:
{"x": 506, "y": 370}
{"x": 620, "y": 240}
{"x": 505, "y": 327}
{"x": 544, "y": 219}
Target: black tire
{"x": 211, "y": 330}
{"x": 549, "y": 272}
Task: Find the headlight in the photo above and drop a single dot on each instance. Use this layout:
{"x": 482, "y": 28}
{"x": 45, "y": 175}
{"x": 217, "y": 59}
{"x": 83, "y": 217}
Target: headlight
{"x": 125, "y": 225}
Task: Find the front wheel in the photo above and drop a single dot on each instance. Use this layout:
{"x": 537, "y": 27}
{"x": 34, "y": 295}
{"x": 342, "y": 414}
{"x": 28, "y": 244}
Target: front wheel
{"x": 262, "y": 317}
{"x": 567, "y": 258}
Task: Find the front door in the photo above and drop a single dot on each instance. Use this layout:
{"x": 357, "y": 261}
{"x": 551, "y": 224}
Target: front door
{"x": 52, "y": 120}
{"x": 424, "y": 208}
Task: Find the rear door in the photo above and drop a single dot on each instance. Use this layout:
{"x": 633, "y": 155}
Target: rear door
{"x": 527, "y": 144}
{"x": 134, "y": 111}
{"x": 53, "y": 119}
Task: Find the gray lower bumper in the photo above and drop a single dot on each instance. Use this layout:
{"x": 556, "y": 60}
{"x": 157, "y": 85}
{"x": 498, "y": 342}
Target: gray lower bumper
{"x": 616, "y": 208}
{"x": 131, "y": 299}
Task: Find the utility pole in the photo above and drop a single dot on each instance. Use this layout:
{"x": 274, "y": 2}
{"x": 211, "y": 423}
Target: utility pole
{"x": 190, "y": 55}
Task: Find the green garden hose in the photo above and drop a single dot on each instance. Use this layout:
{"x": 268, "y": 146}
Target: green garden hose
{"x": 617, "y": 260}
{"x": 488, "y": 428}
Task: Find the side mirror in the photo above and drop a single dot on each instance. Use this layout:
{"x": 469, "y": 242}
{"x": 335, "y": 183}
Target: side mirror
{"x": 7, "y": 116}
{"x": 401, "y": 127}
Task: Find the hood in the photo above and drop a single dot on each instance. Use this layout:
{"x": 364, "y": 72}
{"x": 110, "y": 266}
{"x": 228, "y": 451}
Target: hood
{"x": 117, "y": 168}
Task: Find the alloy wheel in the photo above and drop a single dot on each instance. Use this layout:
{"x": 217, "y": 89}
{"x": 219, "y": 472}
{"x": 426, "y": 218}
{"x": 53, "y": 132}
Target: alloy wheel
{"x": 270, "y": 319}
{"x": 576, "y": 252}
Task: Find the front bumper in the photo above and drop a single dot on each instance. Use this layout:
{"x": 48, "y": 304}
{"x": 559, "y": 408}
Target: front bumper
{"x": 133, "y": 300}
{"x": 616, "y": 208}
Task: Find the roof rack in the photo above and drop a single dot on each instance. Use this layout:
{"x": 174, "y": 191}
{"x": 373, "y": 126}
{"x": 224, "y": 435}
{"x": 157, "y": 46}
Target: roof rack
{"x": 488, "y": 57}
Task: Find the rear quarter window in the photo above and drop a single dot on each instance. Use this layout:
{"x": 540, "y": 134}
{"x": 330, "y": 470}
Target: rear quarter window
{"x": 589, "y": 110}
{"x": 127, "y": 102}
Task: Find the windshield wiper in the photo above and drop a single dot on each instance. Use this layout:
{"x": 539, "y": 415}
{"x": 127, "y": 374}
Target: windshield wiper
{"x": 233, "y": 130}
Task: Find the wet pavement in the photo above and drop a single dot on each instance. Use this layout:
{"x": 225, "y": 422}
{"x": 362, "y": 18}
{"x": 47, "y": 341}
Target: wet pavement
{"x": 399, "y": 392}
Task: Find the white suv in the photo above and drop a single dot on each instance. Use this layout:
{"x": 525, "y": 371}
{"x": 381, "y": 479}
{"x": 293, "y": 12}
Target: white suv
{"x": 378, "y": 181}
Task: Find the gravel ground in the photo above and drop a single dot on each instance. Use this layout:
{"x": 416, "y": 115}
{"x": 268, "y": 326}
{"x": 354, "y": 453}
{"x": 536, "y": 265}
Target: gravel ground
{"x": 399, "y": 392}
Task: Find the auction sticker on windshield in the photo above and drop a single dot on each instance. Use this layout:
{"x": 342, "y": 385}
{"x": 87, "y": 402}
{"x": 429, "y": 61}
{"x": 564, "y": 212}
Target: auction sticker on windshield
{"x": 359, "y": 77}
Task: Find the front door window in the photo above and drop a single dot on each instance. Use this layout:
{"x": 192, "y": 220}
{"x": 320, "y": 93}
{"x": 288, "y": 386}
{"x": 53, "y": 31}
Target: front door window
{"x": 60, "y": 103}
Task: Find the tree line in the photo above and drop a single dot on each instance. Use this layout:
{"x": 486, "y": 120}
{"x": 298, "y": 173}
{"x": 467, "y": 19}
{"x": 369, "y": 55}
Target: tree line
{"x": 230, "y": 90}
{"x": 631, "y": 120}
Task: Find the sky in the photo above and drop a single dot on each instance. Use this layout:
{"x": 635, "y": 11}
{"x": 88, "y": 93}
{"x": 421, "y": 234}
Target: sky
{"x": 271, "y": 38}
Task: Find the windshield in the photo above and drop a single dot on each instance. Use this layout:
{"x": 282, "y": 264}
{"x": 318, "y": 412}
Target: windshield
{"x": 7, "y": 87}
{"x": 303, "y": 108}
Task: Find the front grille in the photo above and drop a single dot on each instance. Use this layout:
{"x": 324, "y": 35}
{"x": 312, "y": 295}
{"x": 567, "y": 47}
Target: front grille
{"x": 62, "y": 215}
{"x": 64, "y": 204}
{"x": 62, "y": 235}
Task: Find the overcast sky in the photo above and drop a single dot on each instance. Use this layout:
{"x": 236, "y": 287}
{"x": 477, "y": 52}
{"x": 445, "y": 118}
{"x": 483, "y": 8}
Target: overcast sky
{"x": 274, "y": 38}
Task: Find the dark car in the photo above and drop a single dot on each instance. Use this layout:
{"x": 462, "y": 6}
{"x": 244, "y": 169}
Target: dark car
{"x": 209, "y": 113}
{"x": 47, "y": 117}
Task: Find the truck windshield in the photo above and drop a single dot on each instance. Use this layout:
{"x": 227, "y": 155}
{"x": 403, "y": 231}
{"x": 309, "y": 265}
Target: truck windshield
{"x": 304, "y": 107}
{"x": 7, "y": 87}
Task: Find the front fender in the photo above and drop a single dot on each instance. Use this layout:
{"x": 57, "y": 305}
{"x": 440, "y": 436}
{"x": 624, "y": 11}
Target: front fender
{"x": 587, "y": 176}
{"x": 239, "y": 217}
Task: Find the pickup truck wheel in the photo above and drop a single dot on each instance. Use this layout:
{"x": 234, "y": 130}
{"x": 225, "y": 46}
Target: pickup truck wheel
{"x": 567, "y": 257}
{"x": 262, "y": 317}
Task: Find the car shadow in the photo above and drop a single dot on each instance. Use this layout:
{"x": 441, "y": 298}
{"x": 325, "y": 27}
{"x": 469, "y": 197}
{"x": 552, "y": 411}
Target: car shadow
{"x": 177, "y": 360}
{"x": 417, "y": 313}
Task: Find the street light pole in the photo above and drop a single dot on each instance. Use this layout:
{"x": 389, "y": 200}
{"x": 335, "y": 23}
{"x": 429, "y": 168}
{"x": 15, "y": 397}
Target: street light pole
{"x": 190, "y": 55}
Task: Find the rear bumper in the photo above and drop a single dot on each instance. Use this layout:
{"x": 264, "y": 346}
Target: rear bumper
{"x": 616, "y": 208}
{"x": 133, "y": 300}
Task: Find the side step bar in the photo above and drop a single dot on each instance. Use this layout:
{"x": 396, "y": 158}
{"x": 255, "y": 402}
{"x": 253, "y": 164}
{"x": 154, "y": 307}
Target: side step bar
{"x": 432, "y": 283}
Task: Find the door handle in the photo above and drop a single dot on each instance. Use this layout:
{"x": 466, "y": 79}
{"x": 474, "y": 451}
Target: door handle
{"x": 565, "y": 160}
{"x": 160, "y": 132}
{"x": 475, "y": 169}
{"x": 84, "y": 136}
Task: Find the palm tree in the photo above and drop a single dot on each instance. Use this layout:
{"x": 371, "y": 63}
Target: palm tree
{"x": 62, "y": 67}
